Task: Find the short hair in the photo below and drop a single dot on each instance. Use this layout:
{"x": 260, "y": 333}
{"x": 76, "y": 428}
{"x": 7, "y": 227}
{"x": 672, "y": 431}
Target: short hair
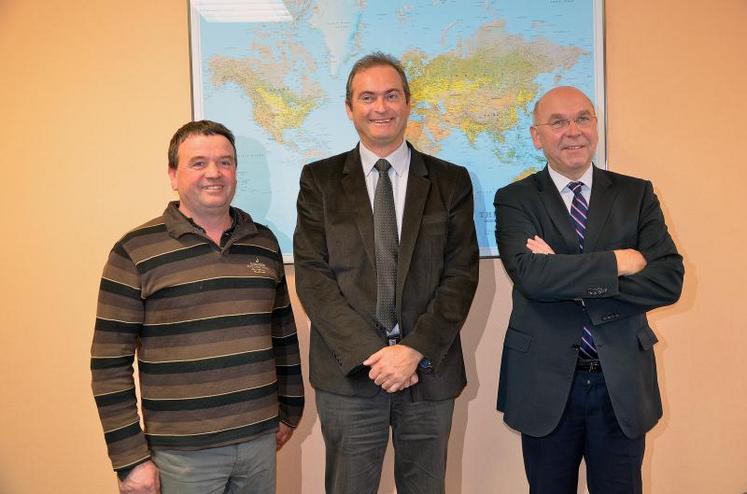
{"x": 376, "y": 59}
{"x": 199, "y": 127}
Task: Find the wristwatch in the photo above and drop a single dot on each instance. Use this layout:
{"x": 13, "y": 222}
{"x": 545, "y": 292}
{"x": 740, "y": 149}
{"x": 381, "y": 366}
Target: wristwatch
{"x": 425, "y": 366}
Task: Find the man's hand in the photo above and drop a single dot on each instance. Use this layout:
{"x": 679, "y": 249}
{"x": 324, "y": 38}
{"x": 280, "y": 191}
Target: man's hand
{"x": 538, "y": 246}
{"x": 393, "y": 367}
{"x": 629, "y": 261}
{"x": 283, "y": 434}
{"x": 143, "y": 479}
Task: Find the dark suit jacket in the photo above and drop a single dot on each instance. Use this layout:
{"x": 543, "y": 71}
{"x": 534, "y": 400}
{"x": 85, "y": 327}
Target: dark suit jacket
{"x": 333, "y": 249}
{"x": 554, "y": 295}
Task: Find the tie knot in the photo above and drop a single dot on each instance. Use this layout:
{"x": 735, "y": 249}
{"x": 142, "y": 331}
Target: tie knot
{"x": 575, "y": 187}
{"x": 382, "y": 166}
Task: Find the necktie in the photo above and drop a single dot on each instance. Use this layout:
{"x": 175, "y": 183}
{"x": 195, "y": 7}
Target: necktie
{"x": 579, "y": 212}
{"x": 386, "y": 243}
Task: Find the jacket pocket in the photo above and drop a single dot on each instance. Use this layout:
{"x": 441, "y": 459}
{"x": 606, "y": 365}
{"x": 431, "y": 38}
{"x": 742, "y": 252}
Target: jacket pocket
{"x": 647, "y": 338}
{"x": 517, "y": 340}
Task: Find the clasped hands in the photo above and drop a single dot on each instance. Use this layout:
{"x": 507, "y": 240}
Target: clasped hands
{"x": 394, "y": 367}
{"x": 629, "y": 261}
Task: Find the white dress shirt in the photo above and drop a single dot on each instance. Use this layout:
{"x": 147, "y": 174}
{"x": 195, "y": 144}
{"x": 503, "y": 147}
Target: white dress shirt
{"x": 398, "y": 173}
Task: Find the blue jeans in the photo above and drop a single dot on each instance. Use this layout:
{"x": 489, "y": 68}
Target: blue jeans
{"x": 244, "y": 468}
{"x": 356, "y": 433}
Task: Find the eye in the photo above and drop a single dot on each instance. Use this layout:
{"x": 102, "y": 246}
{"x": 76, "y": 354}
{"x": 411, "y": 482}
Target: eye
{"x": 366, "y": 98}
{"x": 226, "y": 163}
{"x": 583, "y": 120}
{"x": 198, "y": 164}
{"x": 560, "y": 123}
{"x": 393, "y": 97}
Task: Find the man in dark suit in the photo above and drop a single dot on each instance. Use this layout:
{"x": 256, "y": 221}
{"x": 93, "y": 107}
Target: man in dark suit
{"x": 386, "y": 268}
{"x": 589, "y": 255}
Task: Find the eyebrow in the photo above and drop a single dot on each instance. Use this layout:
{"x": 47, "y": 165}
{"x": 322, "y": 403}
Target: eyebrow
{"x": 388, "y": 91}
{"x": 201, "y": 157}
{"x": 556, "y": 116}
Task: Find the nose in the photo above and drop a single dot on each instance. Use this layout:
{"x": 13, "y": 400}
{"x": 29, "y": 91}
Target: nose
{"x": 212, "y": 170}
{"x": 573, "y": 128}
{"x": 380, "y": 104}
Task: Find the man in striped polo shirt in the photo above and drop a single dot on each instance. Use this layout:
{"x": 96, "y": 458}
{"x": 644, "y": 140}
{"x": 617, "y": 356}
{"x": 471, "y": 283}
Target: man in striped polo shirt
{"x": 199, "y": 295}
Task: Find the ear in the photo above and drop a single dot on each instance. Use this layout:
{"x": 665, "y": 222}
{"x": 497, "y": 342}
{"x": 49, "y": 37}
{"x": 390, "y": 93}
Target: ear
{"x": 535, "y": 137}
{"x": 172, "y": 177}
{"x": 349, "y": 111}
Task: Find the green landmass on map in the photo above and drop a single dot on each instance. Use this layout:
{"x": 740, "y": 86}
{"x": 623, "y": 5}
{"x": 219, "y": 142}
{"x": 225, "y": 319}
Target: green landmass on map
{"x": 480, "y": 87}
{"x": 275, "y": 107}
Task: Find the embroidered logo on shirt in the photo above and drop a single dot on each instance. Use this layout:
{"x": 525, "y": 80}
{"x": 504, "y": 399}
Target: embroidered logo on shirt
{"x": 258, "y": 267}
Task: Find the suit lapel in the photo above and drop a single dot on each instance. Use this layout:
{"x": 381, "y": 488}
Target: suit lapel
{"x": 354, "y": 186}
{"x": 418, "y": 186}
{"x": 557, "y": 210}
{"x": 603, "y": 195}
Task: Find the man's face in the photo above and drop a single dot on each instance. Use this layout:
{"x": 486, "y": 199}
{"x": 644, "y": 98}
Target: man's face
{"x": 205, "y": 176}
{"x": 378, "y": 108}
{"x": 568, "y": 151}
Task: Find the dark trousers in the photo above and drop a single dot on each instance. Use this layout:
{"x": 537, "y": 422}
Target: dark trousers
{"x": 588, "y": 429}
{"x": 356, "y": 433}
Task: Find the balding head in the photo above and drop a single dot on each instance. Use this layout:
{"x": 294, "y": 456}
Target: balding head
{"x": 561, "y": 92}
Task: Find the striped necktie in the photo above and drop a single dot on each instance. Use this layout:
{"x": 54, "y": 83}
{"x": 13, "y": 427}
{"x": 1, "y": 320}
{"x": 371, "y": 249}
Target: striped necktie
{"x": 579, "y": 212}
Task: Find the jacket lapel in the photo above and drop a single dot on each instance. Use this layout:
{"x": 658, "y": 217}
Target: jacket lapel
{"x": 418, "y": 186}
{"x": 603, "y": 195}
{"x": 556, "y": 210}
{"x": 356, "y": 195}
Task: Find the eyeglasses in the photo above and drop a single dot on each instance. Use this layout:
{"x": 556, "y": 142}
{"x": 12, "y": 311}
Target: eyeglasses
{"x": 582, "y": 122}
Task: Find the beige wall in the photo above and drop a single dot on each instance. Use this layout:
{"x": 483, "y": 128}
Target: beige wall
{"x": 90, "y": 92}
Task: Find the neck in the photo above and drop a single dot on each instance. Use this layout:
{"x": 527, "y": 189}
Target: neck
{"x": 214, "y": 225}
{"x": 383, "y": 151}
{"x": 575, "y": 174}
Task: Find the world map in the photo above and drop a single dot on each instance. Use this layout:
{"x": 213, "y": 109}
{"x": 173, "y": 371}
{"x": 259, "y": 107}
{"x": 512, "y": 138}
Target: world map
{"x": 475, "y": 70}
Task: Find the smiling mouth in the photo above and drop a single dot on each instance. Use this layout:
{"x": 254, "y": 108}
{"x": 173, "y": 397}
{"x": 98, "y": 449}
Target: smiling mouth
{"x": 212, "y": 187}
{"x": 381, "y": 121}
{"x": 573, "y": 148}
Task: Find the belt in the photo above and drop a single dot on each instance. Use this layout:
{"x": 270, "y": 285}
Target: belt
{"x": 589, "y": 365}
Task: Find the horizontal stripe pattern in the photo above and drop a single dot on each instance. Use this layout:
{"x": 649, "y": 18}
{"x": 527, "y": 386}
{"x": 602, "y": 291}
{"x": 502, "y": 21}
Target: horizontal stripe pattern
{"x": 212, "y": 439}
{"x": 210, "y": 401}
{"x": 214, "y": 335}
{"x": 204, "y": 364}
{"x": 205, "y": 324}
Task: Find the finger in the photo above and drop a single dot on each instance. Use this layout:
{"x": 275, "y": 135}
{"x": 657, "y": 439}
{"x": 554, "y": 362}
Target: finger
{"x": 374, "y": 357}
{"x": 544, "y": 245}
{"x": 392, "y": 388}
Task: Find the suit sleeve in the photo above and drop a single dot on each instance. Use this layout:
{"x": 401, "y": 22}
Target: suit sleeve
{"x": 287, "y": 355}
{"x": 547, "y": 278}
{"x": 119, "y": 319}
{"x": 435, "y": 330}
{"x": 659, "y": 283}
{"x": 349, "y": 336}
